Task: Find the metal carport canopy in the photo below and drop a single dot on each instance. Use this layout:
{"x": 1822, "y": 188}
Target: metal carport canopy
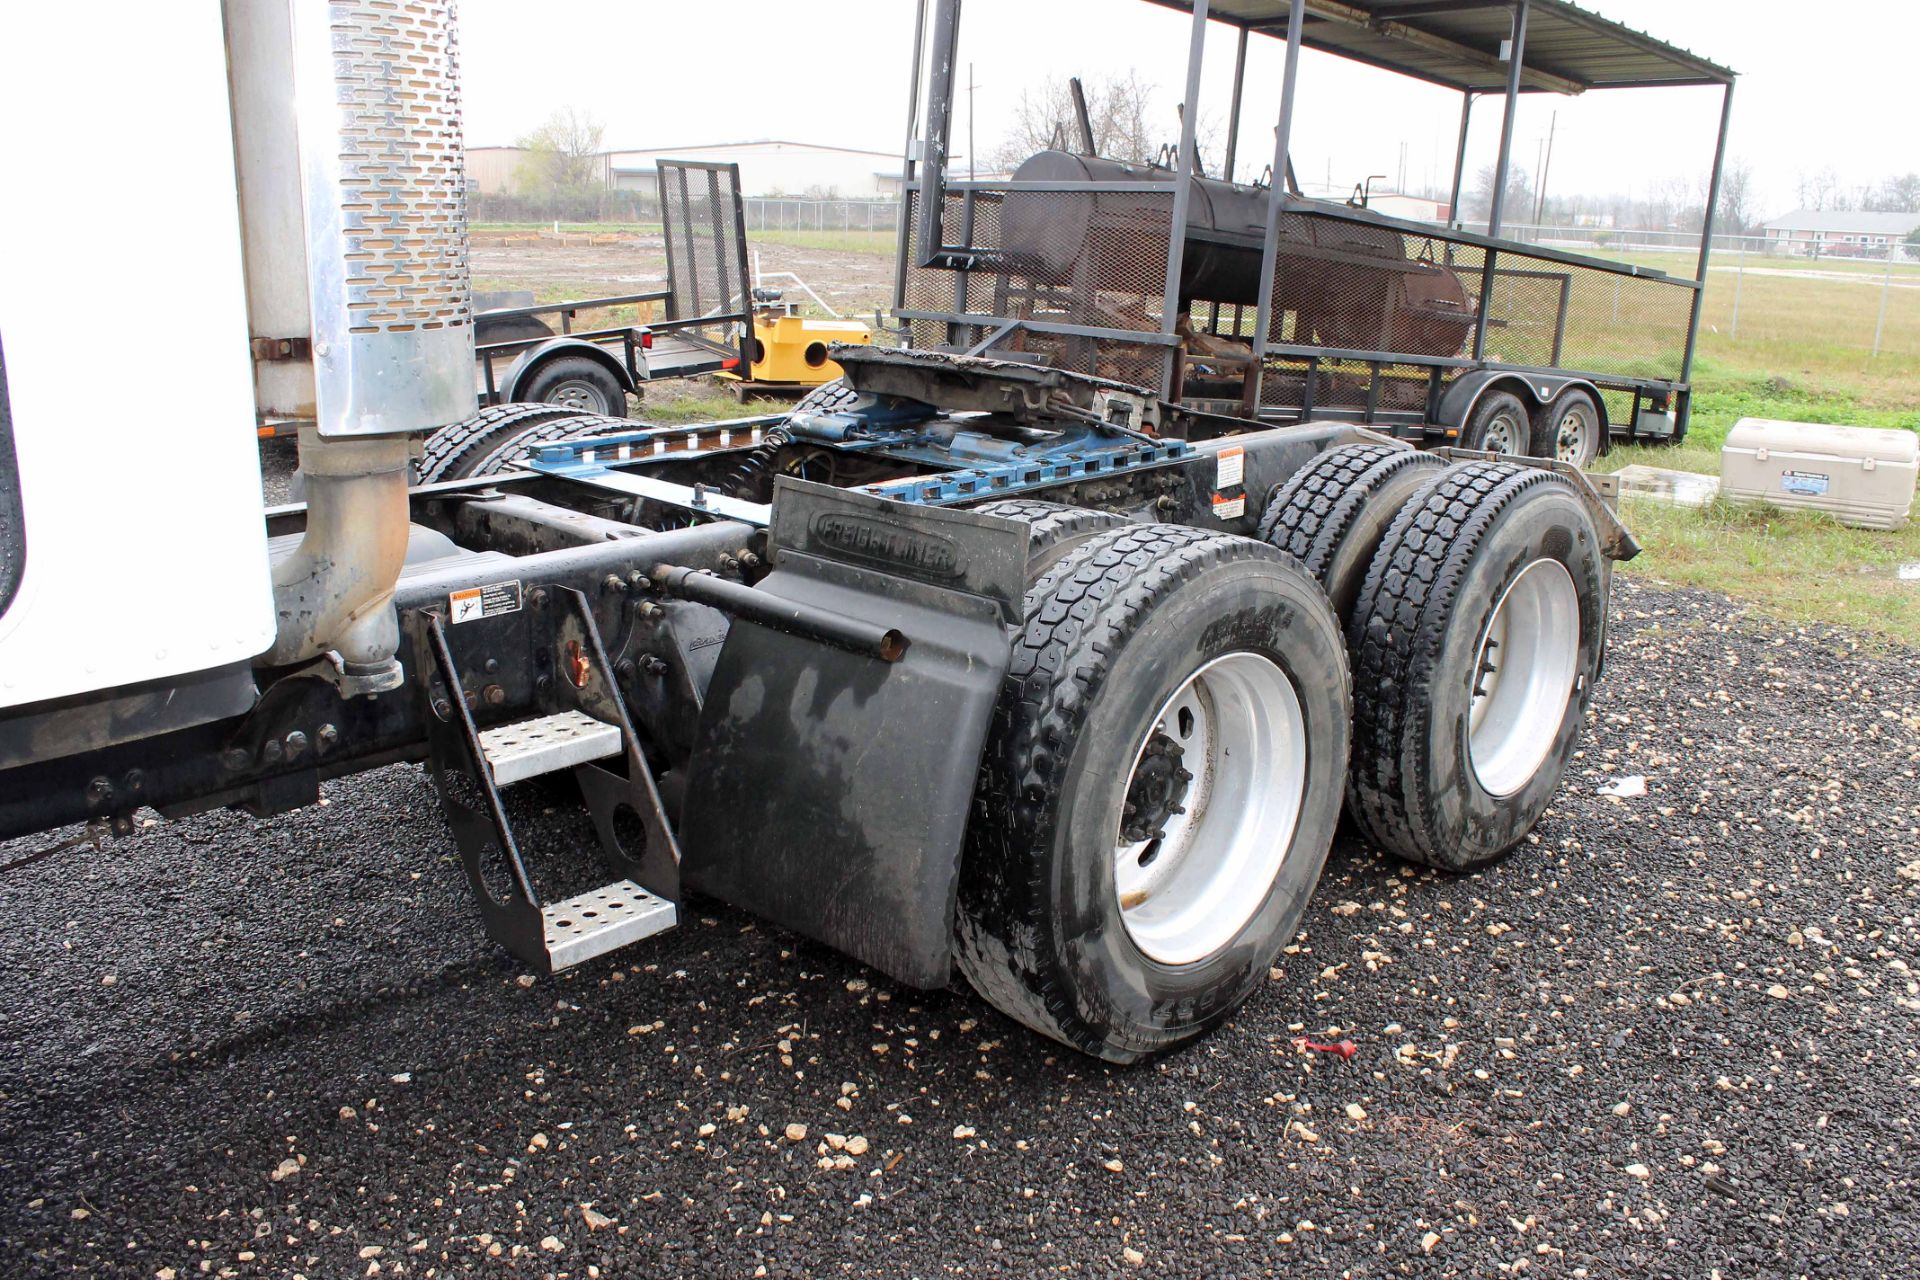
{"x": 1456, "y": 43}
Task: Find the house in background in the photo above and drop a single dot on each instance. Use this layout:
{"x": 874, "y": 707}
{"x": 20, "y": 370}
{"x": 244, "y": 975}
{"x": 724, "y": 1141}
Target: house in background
{"x": 1839, "y": 233}
{"x": 773, "y": 168}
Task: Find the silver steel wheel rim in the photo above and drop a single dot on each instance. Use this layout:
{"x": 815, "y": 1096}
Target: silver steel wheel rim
{"x": 1503, "y": 435}
{"x": 1185, "y": 893}
{"x": 575, "y": 394}
{"x": 1524, "y": 675}
{"x": 1574, "y": 435}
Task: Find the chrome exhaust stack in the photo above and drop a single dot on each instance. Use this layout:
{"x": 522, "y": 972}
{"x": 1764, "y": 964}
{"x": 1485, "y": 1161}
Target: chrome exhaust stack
{"x": 353, "y": 217}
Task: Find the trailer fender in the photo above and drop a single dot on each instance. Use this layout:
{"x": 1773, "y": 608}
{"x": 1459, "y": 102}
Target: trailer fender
{"x": 1536, "y": 389}
{"x": 829, "y": 789}
{"x": 533, "y": 357}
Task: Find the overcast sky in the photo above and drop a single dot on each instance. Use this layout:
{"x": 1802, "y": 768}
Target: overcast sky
{"x": 1820, "y": 84}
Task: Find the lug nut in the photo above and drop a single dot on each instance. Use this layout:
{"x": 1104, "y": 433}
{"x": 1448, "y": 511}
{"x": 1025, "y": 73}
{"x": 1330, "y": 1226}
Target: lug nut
{"x": 442, "y": 708}
{"x": 296, "y": 745}
{"x": 235, "y": 758}
{"x": 271, "y": 751}
{"x": 495, "y": 695}
{"x": 613, "y": 583}
{"x": 653, "y": 666}
{"x": 329, "y": 735}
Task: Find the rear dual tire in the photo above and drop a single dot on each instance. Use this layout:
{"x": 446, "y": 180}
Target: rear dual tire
{"x": 1139, "y": 641}
{"x": 1475, "y": 642}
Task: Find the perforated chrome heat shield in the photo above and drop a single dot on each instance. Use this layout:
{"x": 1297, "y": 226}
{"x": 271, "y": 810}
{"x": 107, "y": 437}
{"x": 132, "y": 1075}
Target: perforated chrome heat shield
{"x": 377, "y": 101}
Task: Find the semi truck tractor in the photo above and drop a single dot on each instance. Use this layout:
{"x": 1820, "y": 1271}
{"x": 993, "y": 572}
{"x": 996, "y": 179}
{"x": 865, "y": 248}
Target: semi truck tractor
{"x": 975, "y": 667}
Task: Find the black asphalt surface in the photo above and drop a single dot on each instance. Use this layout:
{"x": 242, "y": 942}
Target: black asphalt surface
{"x": 1678, "y": 1035}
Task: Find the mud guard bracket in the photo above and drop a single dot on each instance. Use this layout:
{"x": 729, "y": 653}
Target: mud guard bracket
{"x": 829, "y": 790}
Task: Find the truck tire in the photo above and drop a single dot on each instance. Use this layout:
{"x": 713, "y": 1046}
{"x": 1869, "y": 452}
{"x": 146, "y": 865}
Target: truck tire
{"x": 1499, "y": 423}
{"x": 516, "y": 450}
{"x": 1475, "y": 643}
{"x": 1570, "y": 428}
{"x": 448, "y": 451}
{"x": 580, "y": 384}
{"x": 1158, "y": 790}
{"x": 1331, "y": 514}
{"x": 828, "y": 397}
{"x": 1053, "y": 528}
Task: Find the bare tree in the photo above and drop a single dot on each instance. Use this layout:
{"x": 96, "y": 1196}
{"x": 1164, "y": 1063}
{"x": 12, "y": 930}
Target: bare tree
{"x": 562, "y": 154}
{"x": 1735, "y": 216}
{"x": 1897, "y": 195}
{"x": 1126, "y": 124}
{"x": 1519, "y": 202}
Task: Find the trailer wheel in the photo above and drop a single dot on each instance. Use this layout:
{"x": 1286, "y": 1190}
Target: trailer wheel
{"x": 1475, "y": 643}
{"x": 1159, "y": 788}
{"x": 1569, "y": 428}
{"x": 1331, "y": 514}
{"x": 1498, "y": 423}
{"x": 1053, "y": 528}
{"x": 578, "y": 383}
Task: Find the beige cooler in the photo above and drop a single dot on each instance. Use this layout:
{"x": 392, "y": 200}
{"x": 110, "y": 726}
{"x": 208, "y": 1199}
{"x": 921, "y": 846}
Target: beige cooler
{"x": 1862, "y": 475}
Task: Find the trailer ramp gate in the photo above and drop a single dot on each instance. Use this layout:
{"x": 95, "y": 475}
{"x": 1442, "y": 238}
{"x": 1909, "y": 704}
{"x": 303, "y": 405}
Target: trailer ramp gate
{"x": 709, "y": 291}
{"x": 830, "y": 790}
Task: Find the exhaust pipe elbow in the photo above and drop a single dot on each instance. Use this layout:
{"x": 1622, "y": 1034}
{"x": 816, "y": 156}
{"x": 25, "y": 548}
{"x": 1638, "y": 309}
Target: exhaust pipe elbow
{"x": 335, "y": 592}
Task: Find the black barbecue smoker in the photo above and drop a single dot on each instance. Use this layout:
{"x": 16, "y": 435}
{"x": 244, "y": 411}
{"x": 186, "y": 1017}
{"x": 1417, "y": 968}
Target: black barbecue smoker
{"x": 1254, "y": 301}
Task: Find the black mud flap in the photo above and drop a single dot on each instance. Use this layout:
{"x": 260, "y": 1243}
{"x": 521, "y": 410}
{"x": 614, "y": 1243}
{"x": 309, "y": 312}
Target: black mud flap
{"x": 830, "y": 789}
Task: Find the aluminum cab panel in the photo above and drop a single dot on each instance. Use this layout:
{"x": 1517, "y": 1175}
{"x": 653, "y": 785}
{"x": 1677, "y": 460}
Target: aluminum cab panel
{"x": 138, "y": 466}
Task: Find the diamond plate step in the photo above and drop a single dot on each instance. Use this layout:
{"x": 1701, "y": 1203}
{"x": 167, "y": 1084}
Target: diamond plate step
{"x": 600, "y": 920}
{"x": 529, "y": 748}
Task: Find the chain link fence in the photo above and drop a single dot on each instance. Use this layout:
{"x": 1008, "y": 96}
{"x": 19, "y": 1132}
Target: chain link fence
{"x": 1860, "y": 293}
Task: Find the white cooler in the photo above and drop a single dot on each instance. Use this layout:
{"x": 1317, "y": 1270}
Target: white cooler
{"x": 1862, "y": 475}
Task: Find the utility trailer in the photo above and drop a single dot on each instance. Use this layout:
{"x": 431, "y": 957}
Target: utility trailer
{"x": 1250, "y": 299}
{"x": 705, "y": 326}
{"x": 968, "y": 664}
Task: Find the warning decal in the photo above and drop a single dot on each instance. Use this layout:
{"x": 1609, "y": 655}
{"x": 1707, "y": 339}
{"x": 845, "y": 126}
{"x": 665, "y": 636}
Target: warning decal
{"x": 473, "y": 603}
{"x": 1230, "y": 468}
{"x": 1225, "y": 508}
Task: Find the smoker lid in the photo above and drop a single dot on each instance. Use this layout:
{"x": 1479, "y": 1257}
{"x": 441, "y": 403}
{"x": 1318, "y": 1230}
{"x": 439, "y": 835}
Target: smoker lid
{"x": 1456, "y": 43}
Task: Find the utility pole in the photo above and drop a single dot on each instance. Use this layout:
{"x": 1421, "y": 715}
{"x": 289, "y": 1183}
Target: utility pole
{"x": 1540, "y": 171}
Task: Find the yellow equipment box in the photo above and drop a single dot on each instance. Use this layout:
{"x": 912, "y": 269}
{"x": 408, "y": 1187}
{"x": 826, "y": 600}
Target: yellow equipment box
{"x": 792, "y": 349}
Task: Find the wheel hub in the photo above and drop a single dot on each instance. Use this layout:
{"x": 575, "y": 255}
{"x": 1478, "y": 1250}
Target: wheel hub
{"x": 1212, "y": 801}
{"x": 1526, "y": 670}
{"x": 1155, "y": 794}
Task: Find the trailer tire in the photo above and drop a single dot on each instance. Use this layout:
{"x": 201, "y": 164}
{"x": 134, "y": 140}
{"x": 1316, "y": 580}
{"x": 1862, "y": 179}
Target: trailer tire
{"x": 579, "y": 384}
{"x": 1053, "y": 528}
{"x": 1332, "y": 513}
{"x": 1115, "y": 631}
{"x": 1499, "y": 423}
{"x": 1570, "y": 428}
{"x": 450, "y": 450}
{"x": 1475, "y": 644}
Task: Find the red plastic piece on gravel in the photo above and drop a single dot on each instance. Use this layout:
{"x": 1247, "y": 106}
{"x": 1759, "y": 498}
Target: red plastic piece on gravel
{"x": 1345, "y": 1048}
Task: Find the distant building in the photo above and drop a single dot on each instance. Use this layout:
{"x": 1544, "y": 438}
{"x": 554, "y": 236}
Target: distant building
{"x": 1842, "y": 233}
{"x": 1396, "y": 204}
{"x": 773, "y": 168}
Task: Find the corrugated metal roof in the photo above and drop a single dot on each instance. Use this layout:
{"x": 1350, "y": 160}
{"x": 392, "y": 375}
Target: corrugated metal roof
{"x": 1457, "y": 42}
{"x": 1853, "y": 221}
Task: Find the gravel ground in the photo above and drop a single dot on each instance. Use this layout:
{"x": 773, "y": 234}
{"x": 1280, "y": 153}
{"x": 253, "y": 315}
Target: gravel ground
{"x": 1677, "y": 1035}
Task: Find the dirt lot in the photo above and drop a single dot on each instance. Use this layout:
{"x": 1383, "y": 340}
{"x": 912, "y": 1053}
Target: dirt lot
{"x": 853, "y": 283}
{"x": 1676, "y": 1035}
